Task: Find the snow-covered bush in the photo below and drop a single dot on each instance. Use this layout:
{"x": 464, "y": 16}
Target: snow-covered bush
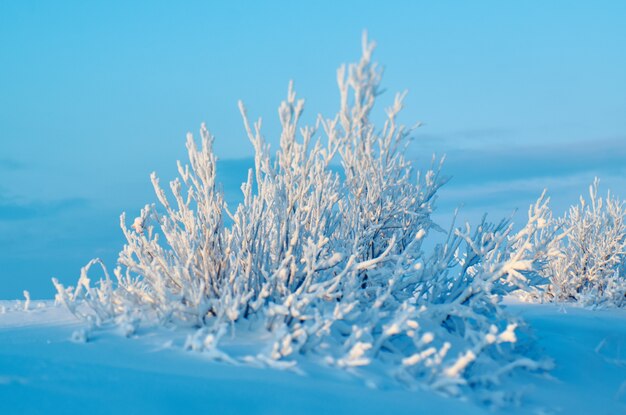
{"x": 590, "y": 264}
{"x": 330, "y": 262}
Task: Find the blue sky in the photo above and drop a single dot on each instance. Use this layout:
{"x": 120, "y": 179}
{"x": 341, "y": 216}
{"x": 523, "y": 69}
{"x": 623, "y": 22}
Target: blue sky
{"x": 96, "y": 95}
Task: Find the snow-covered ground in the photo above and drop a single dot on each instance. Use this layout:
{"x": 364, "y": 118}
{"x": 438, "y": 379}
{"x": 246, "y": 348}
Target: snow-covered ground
{"x": 43, "y": 371}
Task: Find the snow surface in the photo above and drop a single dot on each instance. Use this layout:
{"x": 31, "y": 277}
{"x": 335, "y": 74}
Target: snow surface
{"x": 43, "y": 371}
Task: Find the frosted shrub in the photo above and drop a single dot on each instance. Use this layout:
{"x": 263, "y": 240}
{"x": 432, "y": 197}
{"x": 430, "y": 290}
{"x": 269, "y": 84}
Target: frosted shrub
{"x": 590, "y": 264}
{"x": 330, "y": 263}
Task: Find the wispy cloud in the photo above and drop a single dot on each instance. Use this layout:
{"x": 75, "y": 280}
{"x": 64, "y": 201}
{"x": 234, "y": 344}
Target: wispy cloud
{"x": 15, "y": 210}
{"x": 497, "y": 164}
{"x": 10, "y": 164}
{"x": 466, "y": 138}
{"x": 498, "y": 180}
